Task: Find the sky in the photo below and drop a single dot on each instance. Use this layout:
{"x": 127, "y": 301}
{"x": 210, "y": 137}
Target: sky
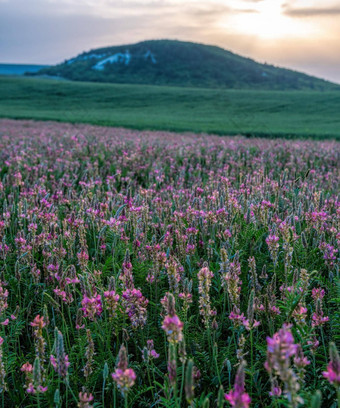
{"x": 300, "y": 34}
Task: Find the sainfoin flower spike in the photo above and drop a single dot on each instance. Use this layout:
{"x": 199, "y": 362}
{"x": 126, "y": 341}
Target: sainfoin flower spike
{"x": 204, "y": 279}
{"x": 84, "y": 400}
{"x": 3, "y": 385}
{"x": 281, "y": 348}
{"x": 92, "y": 306}
{"x": 171, "y": 324}
{"x": 60, "y": 362}
{"x": 237, "y": 397}
{"x": 123, "y": 376}
{"x": 333, "y": 369}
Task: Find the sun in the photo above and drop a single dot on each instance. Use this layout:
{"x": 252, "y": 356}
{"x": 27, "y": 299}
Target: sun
{"x": 266, "y": 20}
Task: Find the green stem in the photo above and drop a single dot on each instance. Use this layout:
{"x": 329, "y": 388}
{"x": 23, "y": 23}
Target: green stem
{"x": 103, "y": 392}
{"x": 148, "y": 371}
{"x": 182, "y": 384}
{"x": 71, "y": 391}
{"x": 215, "y": 360}
{"x": 176, "y": 396}
{"x": 324, "y": 345}
{"x": 224, "y": 308}
{"x": 251, "y": 360}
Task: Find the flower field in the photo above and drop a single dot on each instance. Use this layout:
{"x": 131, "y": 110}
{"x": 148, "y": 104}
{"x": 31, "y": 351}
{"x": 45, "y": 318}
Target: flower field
{"x": 151, "y": 269}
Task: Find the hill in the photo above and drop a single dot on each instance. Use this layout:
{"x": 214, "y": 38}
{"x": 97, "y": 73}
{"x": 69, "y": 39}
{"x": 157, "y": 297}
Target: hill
{"x": 220, "y": 111}
{"x": 177, "y": 63}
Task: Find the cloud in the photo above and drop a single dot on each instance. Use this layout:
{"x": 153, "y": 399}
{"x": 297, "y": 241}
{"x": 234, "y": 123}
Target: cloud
{"x": 248, "y": 10}
{"x": 310, "y": 11}
{"x": 204, "y": 13}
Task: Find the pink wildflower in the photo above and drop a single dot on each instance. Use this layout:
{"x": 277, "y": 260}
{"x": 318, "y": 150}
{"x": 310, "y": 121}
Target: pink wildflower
{"x": 135, "y": 307}
{"x": 124, "y": 377}
{"x": 173, "y": 328}
{"x": 84, "y": 399}
{"x": 333, "y": 369}
{"x": 237, "y": 397}
{"x": 92, "y": 307}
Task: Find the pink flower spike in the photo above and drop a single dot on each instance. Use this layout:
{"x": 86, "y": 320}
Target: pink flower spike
{"x": 30, "y": 389}
{"x": 333, "y": 369}
{"x": 53, "y": 361}
{"x": 38, "y": 322}
{"x": 237, "y": 397}
{"x": 124, "y": 379}
{"x": 26, "y": 368}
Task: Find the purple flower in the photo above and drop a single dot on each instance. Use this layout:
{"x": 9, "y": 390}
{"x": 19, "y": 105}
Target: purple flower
{"x": 84, "y": 399}
{"x": 92, "y": 307}
{"x": 275, "y": 392}
{"x": 280, "y": 350}
{"x": 111, "y": 301}
{"x": 319, "y": 319}
{"x": 149, "y": 351}
{"x": 318, "y": 293}
{"x": 124, "y": 379}
{"x": 173, "y": 328}
{"x": 282, "y": 344}
{"x": 333, "y": 373}
{"x": 237, "y": 397}
{"x": 333, "y": 369}
{"x": 135, "y": 307}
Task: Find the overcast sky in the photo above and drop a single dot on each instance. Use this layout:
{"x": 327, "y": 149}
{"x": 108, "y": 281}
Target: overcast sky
{"x": 299, "y": 34}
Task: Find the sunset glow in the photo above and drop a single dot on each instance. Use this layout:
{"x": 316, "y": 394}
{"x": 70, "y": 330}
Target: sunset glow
{"x": 267, "y": 21}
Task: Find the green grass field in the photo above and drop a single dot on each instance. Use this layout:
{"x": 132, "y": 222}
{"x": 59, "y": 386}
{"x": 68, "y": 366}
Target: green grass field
{"x": 255, "y": 113}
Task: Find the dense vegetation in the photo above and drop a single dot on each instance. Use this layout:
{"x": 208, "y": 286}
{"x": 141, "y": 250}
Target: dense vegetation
{"x": 208, "y": 265}
{"x": 259, "y": 113}
{"x": 180, "y": 63}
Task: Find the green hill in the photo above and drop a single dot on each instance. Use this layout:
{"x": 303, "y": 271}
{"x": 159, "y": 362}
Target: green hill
{"x": 177, "y": 63}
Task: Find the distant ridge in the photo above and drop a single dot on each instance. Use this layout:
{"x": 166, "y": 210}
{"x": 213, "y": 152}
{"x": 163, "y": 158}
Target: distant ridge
{"x": 178, "y": 63}
{"x": 20, "y": 69}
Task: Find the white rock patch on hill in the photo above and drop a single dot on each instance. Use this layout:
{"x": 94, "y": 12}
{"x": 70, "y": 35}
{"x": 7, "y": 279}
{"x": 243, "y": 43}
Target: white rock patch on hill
{"x": 113, "y": 59}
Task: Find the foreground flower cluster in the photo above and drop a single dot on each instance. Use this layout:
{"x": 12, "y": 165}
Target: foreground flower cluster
{"x": 151, "y": 269}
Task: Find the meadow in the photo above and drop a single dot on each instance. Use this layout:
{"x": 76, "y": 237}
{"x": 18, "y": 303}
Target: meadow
{"x": 153, "y": 269}
{"x": 290, "y": 114}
